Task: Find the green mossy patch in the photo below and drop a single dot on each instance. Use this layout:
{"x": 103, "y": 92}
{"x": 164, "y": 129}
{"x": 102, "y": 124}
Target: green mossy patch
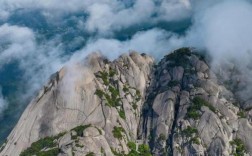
{"x": 90, "y": 154}
{"x": 194, "y": 110}
{"x": 45, "y": 143}
{"x": 79, "y": 129}
{"x": 122, "y": 114}
{"x": 189, "y": 132}
{"x": 242, "y": 114}
{"x": 239, "y": 147}
{"x": 118, "y": 132}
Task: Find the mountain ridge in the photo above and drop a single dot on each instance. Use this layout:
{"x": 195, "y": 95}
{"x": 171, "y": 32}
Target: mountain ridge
{"x": 132, "y": 106}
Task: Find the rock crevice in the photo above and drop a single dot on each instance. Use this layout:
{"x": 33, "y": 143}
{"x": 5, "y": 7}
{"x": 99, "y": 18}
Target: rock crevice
{"x": 131, "y": 106}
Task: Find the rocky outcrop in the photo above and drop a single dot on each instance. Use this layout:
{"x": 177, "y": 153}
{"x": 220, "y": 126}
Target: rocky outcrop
{"x": 105, "y": 94}
{"x": 132, "y": 106}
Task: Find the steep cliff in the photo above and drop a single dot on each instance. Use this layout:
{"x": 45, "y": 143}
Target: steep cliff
{"x": 132, "y": 106}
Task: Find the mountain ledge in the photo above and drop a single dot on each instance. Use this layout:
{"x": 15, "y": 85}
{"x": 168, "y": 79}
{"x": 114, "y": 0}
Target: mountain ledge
{"x": 133, "y": 106}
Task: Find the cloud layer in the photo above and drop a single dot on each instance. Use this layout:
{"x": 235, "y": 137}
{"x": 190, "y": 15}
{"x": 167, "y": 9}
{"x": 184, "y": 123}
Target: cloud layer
{"x": 104, "y": 16}
{"x": 3, "y": 103}
{"x": 224, "y": 30}
{"x": 38, "y": 34}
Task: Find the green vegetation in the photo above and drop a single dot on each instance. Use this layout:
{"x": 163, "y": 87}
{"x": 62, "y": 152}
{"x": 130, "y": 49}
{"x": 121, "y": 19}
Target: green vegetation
{"x": 79, "y": 129}
{"x": 51, "y": 152}
{"x": 131, "y": 145}
{"x": 144, "y": 150}
{"x": 241, "y": 114}
{"x": 48, "y": 146}
{"x": 78, "y": 145}
{"x": 138, "y": 95}
{"x": 179, "y": 57}
{"x": 117, "y": 153}
{"x": 113, "y": 99}
{"x": 134, "y": 105}
{"x": 112, "y": 72}
{"x": 125, "y": 89}
{"x": 193, "y": 114}
{"x": 114, "y": 92}
{"x": 195, "y": 140}
{"x": 180, "y": 150}
{"x": 111, "y": 94}
{"x": 173, "y": 83}
{"x": 137, "y": 98}
{"x": 90, "y": 154}
{"x": 104, "y": 76}
{"x": 179, "y": 53}
{"x": 99, "y": 93}
{"x": 122, "y": 114}
{"x": 193, "y": 110}
{"x": 199, "y": 102}
{"x": 103, "y": 151}
{"x": 118, "y": 132}
{"x": 133, "y": 153}
{"x": 45, "y": 143}
{"x": 240, "y": 148}
{"x": 162, "y": 137}
{"x": 73, "y": 154}
{"x": 189, "y": 132}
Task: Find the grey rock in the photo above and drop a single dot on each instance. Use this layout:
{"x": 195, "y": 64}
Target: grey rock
{"x": 65, "y": 140}
{"x": 177, "y": 73}
{"x": 151, "y": 110}
{"x": 217, "y": 147}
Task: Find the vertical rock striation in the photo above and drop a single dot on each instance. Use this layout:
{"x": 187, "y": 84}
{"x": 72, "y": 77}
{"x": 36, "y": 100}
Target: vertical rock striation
{"x": 132, "y": 106}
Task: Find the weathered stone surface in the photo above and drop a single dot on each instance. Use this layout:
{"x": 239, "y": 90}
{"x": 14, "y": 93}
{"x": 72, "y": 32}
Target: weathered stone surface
{"x": 65, "y": 140}
{"x": 155, "y": 106}
{"x": 70, "y": 100}
{"x": 245, "y": 132}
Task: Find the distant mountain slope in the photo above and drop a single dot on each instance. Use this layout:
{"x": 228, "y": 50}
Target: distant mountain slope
{"x": 132, "y": 106}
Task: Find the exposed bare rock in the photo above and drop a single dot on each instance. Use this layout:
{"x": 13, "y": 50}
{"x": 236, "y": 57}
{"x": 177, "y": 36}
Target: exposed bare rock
{"x": 177, "y": 106}
{"x": 70, "y": 100}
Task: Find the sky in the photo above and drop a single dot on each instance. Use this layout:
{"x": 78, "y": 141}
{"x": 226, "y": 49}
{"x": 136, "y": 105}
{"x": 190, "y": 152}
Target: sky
{"x": 38, "y": 38}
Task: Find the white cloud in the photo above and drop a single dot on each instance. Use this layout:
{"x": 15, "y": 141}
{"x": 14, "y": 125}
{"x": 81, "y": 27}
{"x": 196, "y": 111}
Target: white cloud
{"x": 174, "y": 10}
{"x": 106, "y": 16}
{"x": 3, "y": 102}
{"x": 223, "y": 27}
{"x": 4, "y": 15}
{"x": 155, "y": 42}
{"x": 38, "y": 61}
{"x": 15, "y": 43}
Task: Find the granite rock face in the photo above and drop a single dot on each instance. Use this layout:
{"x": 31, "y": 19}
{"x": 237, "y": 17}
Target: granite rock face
{"x": 132, "y": 106}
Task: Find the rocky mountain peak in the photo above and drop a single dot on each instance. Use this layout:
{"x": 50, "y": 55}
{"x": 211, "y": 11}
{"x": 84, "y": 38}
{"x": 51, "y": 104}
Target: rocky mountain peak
{"x": 133, "y": 106}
